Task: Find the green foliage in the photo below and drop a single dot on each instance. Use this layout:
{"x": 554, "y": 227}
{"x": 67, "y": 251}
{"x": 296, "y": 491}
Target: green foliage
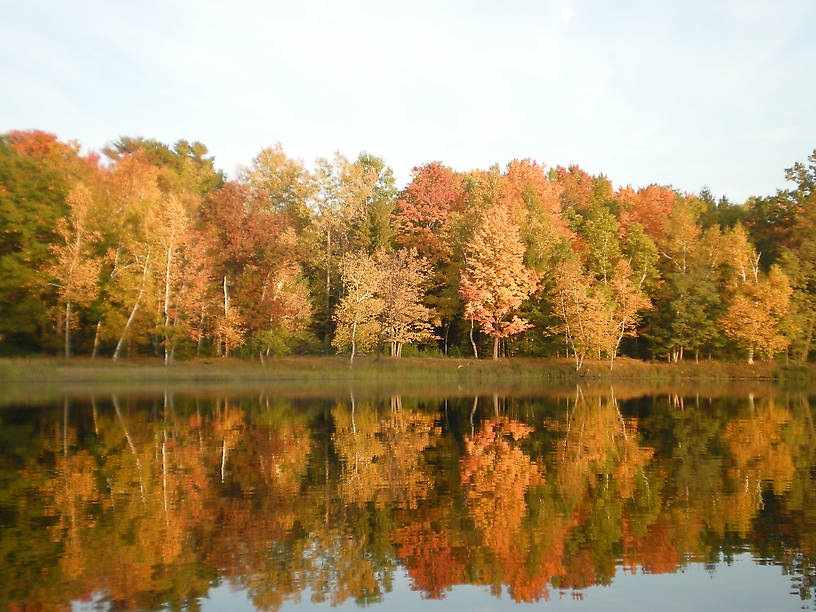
{"x": 32, "y": 198}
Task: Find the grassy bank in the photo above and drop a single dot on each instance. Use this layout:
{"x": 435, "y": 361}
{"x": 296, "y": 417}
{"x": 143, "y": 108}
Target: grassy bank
{"x": 319, "y": 370}
{"x": 39, "y": 380}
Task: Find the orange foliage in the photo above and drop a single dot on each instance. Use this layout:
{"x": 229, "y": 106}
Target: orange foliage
{"x": 650, "y": 206}
{"x": 424, "y": 207}
{"x": 655, "y": 553}
{"x": 432, "y": 562}
{"x": 527, "y": 178}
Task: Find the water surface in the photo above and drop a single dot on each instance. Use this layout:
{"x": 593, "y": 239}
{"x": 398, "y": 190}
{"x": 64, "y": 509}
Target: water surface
{"x": 260, "y": 500}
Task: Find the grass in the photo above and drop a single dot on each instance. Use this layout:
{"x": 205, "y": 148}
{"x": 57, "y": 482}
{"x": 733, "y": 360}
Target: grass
{"x": 43, "y": 378}
{"x": 368, "y": 368}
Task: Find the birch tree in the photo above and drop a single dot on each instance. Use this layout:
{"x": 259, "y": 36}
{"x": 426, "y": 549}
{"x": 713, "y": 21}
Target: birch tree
{"x": 75, "y": 269}
{"x": 359, "y": 308}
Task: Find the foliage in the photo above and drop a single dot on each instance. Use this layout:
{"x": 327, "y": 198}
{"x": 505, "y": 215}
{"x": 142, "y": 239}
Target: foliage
{"x": 157, "y": 253}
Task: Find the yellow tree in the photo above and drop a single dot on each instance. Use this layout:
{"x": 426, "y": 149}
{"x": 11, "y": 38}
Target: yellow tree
{"x": 357, "y": 313}
{"x": 628, "y": 300}
{"x": 285, "y": 180}
{"x": 75, "y": 271}
{"x": 404, "y": 318}
{"x": 583, "y": 311}
{"x": 495, "y": 281}
{"x": 759, "y": 301}
{"x": 596, "y": 315}
{"x": 754, "y": 315}
{"x": 135, "y": 198}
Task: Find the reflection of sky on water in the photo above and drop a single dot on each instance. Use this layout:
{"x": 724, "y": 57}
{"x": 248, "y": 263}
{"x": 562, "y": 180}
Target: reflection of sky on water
{"x": 742, "y": 585}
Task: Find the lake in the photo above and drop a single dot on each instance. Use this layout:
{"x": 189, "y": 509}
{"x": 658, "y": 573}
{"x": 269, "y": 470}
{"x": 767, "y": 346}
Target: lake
{"x": 245, "y": 499}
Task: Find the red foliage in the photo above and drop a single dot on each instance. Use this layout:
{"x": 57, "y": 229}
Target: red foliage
{"x": 424, "y": 208}
{"x": 39, "y": 144}
{"x": 649, "y": 206}
{"x": 433, "y": 564}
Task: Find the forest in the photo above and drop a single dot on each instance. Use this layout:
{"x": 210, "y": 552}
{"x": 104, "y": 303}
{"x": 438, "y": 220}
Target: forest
{"x": 147, "y": 249}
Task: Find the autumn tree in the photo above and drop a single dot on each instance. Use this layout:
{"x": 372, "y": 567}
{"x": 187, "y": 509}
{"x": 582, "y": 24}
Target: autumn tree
{"x": 596, "y": 316}
{"x": 135, "y": 199}
{"x": 755, "y": 313}
{"x": 285, "y": 181}
{"x": 359, "y": 308}
{"x": 798, "y": 253}
{"x": 254, "y": 253}
{"x": 424, "y": 208}
{"x": 758, "y": 301}
{"x": 75, "y": 269}
{"x": 495, "y": 281}
{"x": 404, "y": 318}
{"x": 37, "y": 171}
{"x": 584, "y": 312}
{"x": 428, "y": 216}
{"x": 345, "y": 190}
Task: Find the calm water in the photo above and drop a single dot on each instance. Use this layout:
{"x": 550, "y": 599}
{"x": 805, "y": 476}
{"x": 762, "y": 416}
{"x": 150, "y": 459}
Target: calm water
{"x": 250, "y": 500}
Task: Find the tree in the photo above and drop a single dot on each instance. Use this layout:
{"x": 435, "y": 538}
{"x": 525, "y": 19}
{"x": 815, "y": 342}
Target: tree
{"x": 75, "y": 270}
{"x": 596, "y": 316}
{"x": 582, "y": 308}
{"x": 755, "y": 312}
{"x": 423, "y": 210}
{"x": 286, "y": 181}
{"x": 345, "y": 189}
{"x": 254, "y": 256}
{"x": 373, "y": 231}
{"x": 37, "y": 171}
{"x": 404, "y": 319}
{"x": 135, "y": 199}
{"x": 798, "y": 257}
{"x": 495, "y": 281}
{"x": 360, "y": 306}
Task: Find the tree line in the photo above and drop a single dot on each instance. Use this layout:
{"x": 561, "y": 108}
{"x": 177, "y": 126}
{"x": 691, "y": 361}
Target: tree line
{"x": 148, "y": 249}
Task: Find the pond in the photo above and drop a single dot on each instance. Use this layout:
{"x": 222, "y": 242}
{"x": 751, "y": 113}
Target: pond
{"x": 252, "y": 499}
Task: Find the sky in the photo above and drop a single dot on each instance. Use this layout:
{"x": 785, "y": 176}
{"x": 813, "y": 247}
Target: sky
{"x": 686, "y": 94}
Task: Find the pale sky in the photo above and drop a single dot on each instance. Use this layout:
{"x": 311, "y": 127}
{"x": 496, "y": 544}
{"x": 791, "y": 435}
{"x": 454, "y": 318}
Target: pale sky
{"x": 717, "y": 93}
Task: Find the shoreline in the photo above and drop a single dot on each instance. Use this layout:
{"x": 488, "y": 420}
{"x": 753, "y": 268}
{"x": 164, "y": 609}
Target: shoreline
{"x": 386, "y": 369}
{"x": 36, "y": 380}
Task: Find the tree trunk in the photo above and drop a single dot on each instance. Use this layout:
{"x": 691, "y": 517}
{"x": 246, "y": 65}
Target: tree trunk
{"x": 135, "y": 308}
{"x": 751, "y": 355}
{"x": 808, "y": 338}
{"x": 353, "y": 343}
{"x": 495, "y": 348}
{"x": 326, "y": 338}
{"x": 96, "y": 339}
{"x": 68, "y": 329}
{"x": 201, "y": 333}
{"x": 472, "y": 343}
{"x": 226, "y": 314}
{"x": 133, "y": 451}
{"x": 167, "y": 305}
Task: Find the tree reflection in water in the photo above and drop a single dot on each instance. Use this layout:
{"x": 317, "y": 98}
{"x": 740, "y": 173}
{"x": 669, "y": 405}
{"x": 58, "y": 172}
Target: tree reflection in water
{"x": 149, "y": 502}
